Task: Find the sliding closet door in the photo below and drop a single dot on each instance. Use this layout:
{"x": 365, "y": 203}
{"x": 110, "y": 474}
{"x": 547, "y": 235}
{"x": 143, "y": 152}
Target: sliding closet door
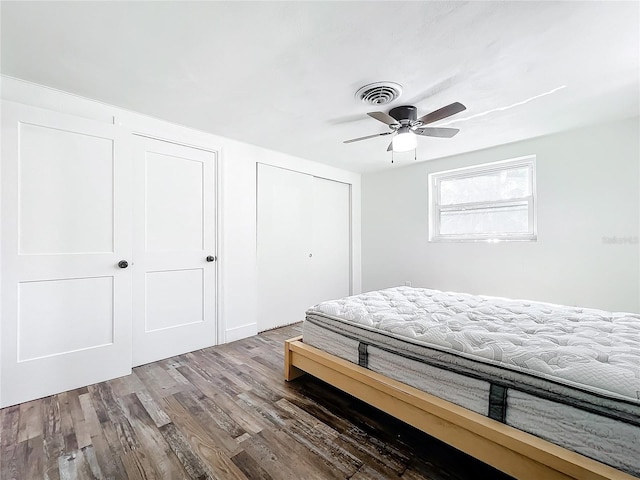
{"x": 66, "y": 225}
{"x": 331, "y": 240}
{"x": 303, "y": 244}
{"x": 284, "y": 206}
{"x": 174, "y": 270}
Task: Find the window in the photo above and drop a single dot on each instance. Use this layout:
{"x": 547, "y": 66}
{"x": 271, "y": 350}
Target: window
{"x": 490, "y": 202}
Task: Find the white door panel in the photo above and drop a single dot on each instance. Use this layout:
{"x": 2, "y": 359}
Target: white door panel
{"x": 331, "y": 240}
{"x": 174, "y": 203}
{"x": 66, "y": 202}
{"x": 284, "y": 203}
{"x": 66, "y": 205}
{"x": 174, "y": 298}
{"x": 48, "y": 307}
{"x": 174, "y": 222}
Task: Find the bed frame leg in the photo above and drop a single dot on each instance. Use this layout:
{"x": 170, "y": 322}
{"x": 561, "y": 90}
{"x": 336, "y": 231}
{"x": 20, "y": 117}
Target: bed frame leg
{"x": 290, "y": 372}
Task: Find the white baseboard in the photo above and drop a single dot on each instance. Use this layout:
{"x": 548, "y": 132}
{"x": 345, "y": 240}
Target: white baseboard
{"x": 243, "y": 331}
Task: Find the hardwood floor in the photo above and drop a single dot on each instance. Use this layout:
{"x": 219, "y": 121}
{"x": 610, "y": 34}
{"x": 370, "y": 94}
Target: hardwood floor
{"x": 225, "y": 413}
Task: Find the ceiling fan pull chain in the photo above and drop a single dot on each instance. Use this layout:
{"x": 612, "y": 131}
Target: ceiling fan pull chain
{"x": 415, "y": 154}
{"x": 391, "y": 156}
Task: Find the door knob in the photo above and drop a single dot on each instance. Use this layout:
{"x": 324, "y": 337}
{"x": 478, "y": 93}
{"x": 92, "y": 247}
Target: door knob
{"x": 123, "y": 264}
{"x": 211, "y": 258}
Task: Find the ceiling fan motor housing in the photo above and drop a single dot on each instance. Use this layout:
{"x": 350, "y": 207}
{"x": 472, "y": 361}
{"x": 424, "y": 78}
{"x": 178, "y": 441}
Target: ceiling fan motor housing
{"x": 405, "y": 112}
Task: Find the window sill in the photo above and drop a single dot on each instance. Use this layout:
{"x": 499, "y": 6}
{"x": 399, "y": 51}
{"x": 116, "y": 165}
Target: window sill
{"x": 523, "y": 238}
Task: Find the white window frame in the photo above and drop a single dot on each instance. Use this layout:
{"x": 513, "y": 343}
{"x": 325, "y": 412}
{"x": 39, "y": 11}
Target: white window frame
{"x": 435, "y": 208}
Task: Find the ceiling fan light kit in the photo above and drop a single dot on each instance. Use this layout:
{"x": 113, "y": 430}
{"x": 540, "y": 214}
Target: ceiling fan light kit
{"x": 404, "y": 123}
{"x": 404, "y": 140}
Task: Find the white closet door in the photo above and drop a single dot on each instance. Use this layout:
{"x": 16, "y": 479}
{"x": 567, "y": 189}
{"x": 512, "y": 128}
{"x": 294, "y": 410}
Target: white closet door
{"x": 284, "y": 209}
{"x": 304, "y": 244}
{"x": 331, "y": 240}
{"x": 174, "y": 232}
{"x": 66, "y": 202}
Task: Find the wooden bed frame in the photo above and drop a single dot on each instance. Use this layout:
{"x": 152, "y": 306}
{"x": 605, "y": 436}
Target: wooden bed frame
{"x": 513, "y": 451}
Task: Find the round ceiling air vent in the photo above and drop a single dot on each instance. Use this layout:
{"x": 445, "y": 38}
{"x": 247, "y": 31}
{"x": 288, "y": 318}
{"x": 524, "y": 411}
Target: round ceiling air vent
{"x": 379, "y": 93}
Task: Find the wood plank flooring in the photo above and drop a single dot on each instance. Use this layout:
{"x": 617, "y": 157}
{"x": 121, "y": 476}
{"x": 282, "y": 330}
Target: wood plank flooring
{"x": 224, "y": 412}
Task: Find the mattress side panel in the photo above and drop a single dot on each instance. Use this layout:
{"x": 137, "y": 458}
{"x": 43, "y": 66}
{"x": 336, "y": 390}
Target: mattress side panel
{"x": 609, "y": 441}
{"x": 469, "y": 393}
{"x": 330, "y": 342}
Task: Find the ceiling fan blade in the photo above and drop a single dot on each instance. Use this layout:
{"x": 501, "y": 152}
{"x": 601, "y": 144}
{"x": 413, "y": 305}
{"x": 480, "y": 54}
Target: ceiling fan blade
{"x": 383, "y": 117}
{"x": 443, "y": 112}
{"x": 436, "y": 132}
{"x": 368, "y": 136}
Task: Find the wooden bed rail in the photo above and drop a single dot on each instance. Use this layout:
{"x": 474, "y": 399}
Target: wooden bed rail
{"x": 513, "y": 451}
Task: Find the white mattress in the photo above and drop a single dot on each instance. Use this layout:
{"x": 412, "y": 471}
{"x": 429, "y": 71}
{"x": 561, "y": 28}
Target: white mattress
{"x": 593, "y": 350}
{"x": 569, "y": 375}
{"x": 609, "y": 441}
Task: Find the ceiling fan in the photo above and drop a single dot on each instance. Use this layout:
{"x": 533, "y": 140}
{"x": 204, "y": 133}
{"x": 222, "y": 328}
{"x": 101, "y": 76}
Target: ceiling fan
{"x": 405, "y": 124}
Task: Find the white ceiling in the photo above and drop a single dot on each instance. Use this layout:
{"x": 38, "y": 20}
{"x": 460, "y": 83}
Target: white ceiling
{"x": 283, "y": 75}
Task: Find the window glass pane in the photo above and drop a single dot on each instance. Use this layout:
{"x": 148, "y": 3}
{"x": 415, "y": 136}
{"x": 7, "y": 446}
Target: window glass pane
{"x": 492, "y": 220}
{"x": 486, "y": 187}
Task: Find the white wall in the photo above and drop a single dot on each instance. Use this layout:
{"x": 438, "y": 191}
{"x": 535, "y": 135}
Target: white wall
{"x": 588, "y": 191}
{"x": 237, "y": 297}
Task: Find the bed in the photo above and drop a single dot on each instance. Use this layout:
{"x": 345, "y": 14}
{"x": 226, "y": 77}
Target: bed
{"x": 536, "y": 390}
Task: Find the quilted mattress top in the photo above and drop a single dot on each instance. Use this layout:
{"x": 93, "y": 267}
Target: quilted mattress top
{"x": 587, "y": 348}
